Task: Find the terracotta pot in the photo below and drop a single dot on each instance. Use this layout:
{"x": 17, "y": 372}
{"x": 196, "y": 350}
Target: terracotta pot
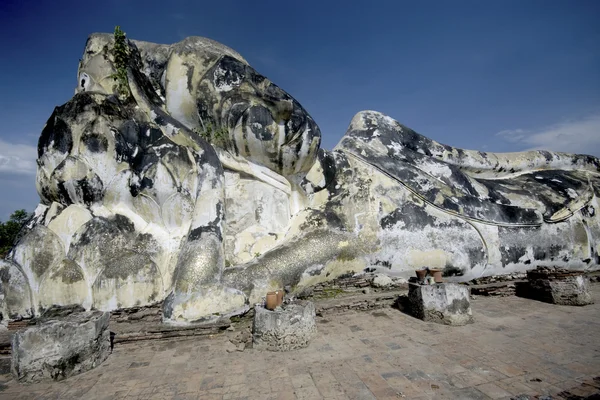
{"x": 271, "y": 302}
{"x": 280, "y": 294}
{"x": 437, "y": 275}
{"x": 421, "y": 274}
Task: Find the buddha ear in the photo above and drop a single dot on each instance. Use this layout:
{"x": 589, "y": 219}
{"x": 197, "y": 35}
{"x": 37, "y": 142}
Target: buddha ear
{"x": 84, "y": 82}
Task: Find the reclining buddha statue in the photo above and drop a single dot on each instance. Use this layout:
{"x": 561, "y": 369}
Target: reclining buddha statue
{"x": 178, "y": 175}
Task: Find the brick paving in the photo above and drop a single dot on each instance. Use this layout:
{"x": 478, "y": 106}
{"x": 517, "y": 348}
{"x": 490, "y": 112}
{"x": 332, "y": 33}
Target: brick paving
{"x": 516, "y": 346}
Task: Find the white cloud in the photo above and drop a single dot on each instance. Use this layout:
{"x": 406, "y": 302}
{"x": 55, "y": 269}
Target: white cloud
{"x": 513, "y": 136}
{"x": 580, "y": 136}
{"x": 17, "y": 158}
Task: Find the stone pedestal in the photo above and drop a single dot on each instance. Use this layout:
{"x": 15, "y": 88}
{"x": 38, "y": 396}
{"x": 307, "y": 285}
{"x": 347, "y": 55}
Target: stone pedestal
{"x": 559, "y": 286}
{"x": 289, "y": 327}
{"x": 60, "y": 348}
{"x": 444, "y": 303}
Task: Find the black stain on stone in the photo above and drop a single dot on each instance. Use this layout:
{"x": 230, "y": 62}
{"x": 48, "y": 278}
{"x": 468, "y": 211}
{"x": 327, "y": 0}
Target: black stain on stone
{"x": 127, "y": 263}
{"x": 477, "y": 255}
{"x": 494, "y": 193}
{"x": 539, "y": 253}
{"x": 461, "y": 181}
{"x": 450, "y": 205}
{"x": 459, "y": 306}
{"x": 322, "y": 218}
{"x": 95, "y": 142}
{"x": 140, "y": 185}
{"x": 111, "y": 106}
{"x": 542, "y": 253}
{"x": 415, "y": 218}
{"x": 4, "y": 276}
{"x": 451, "y": 270}
{"x": 78, "y": 104}
{"x": 259, "y": 121}
{"x": 129, "y": 130}
{"x": 511, "y": 254}
{"x": 547, "y": 155}
{"x": 105, "y": 228}
{"x": 328, "y": 165}
{"x": 212, "y": 228}
{"x": 167, "y": 307}
{"x": 160, "y": 120}
{"x": 231, "y": 72}
{"x": 259, "y": 104}
{"x": 407, "y": 150}
{"x": 190, "y": 75}
{"x": 88, "y": 190}
{"x": 391, "y": 219}
{"x": 70, "y": 272}
{"x": 123, "y": 223}
{"x": 588, "y": 211}
{"x": 57, "y": 134}
{"x": 384, "y": 264}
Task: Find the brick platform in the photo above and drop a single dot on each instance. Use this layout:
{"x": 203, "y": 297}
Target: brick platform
{"x": 517, "y": 346}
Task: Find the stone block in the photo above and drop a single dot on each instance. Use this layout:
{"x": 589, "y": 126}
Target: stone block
{"x": 59, "y": 348}
{"x": 559, "y": 286}
{"x": 444, "y": 303}
{"x": 382, "y": 281}
{"x": 289, "y": 327}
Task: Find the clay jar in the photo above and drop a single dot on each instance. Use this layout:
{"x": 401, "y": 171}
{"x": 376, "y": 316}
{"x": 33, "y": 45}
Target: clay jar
{"x": 421, "y": 274}
{"x": 437, "y": 275}
{"x": 280, "y": 294}
{"x": 271, "y": 302}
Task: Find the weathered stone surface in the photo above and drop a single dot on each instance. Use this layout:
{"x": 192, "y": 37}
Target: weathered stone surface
{"x": 209, "y": 180}
{"x": 15, "y": 292}
{"x": 497, "y": 285}
{"x": 59, "y": 348}
{"x": 559, "y": 286}
{"x": 501, "y": 289}
{"x": 444, "y": 303}
{"x": 469, "y": 213}
{"x": 286, "y": 328}
{"x": 382, "y": 281}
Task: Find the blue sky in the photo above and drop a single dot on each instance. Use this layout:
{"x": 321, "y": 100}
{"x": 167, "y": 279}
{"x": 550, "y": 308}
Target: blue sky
{"x": 488, "y": 75}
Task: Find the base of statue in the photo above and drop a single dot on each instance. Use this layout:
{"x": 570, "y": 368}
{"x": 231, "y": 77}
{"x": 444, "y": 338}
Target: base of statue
{"x": 60, "y": 348}
{"x": 559, "y": 286}
{"x": 443, "y": 303}
{"x": 289, "y": 327}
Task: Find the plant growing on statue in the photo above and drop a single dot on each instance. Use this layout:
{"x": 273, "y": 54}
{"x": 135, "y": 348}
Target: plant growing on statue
{"x": 215, "y": 136}
{"x": 120, "y": 53}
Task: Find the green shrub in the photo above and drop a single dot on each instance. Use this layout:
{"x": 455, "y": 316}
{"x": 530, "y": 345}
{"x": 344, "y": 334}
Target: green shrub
{"x": 120, "y": 53}
{"x": 215, "y": 136}
{"x": 10, "y": 229}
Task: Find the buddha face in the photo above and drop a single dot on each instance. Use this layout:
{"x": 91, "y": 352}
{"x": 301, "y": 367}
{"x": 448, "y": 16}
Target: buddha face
{"x": 96, "y": 68}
